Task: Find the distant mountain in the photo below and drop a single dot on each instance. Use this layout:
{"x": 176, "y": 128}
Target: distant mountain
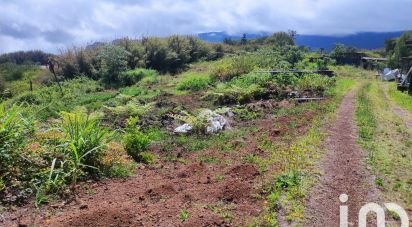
{"x": 362, "y": 40}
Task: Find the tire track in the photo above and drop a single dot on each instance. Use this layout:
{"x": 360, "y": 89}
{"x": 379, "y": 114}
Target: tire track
{"x": 344, "y": 172}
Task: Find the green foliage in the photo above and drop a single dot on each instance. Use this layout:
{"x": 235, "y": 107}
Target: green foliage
{"x": 280, "y": 39}
{"x": 13, "y": 129}
{"x": 112, "y": 62}
{"x": 131, "y": 109}
{"x": 232, "y": 67}
{"x": 147, "y": 158}
{"x": 77, "y": 61}
{"x": 122, "y": 170}
{"x": 400, "y": 98}
{"x": 398, "y": 49}
{"x": 134, "y": 141}
{"x": 364, "y": 117}
{"x": 25, "y": 57}
{"x": 315, "y": 82}
{"x": 15, "y": 169}
{"x": 194, "y": 82}
{"x": 198, "y": 122}
{"x": 232, "y": 94}
{"x": 84, "y": 141}
{"x": 132, "y": 77}
{"x": 266, "y": 58}
{"x": 245, "y": 114}
{"x": 47, "y": 101}
{"x": 184, "y": 215}
{"x": 344, "y": 55}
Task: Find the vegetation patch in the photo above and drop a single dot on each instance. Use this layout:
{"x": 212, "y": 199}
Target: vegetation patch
{"x": 387, "y": 141}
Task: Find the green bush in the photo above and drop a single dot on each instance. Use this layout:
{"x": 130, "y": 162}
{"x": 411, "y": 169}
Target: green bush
{"x": 315, "y": 82}
{"x": 132, "y": 77}
{"x": 232, "y": 94}
{"x": 13, "y": 129}
{"x": 147, "y": 158}
{"x": 229, "y": 68}
{"x": 16, "y": 169}
{"x": 195, "y": 82}
{"x": 112, "y": 62}
{"x": 135, "y": 141}
{"x": 278, "y": 58}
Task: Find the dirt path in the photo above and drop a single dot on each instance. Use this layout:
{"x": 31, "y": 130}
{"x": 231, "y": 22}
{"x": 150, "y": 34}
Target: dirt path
{"x": 343, "y": 170}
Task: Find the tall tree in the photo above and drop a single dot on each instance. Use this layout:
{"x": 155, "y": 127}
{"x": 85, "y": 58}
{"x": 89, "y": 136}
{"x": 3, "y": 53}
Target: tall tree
{"x": 243, "y": 40}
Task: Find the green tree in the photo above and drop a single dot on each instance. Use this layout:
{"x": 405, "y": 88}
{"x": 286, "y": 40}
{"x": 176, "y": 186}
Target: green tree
{"x": 156, "y": 54}
{"x": 178, "y": 54}
{"x": 243, "y": 40}
{"x": 112, "y": 61}
{"x": 280, "y": 39}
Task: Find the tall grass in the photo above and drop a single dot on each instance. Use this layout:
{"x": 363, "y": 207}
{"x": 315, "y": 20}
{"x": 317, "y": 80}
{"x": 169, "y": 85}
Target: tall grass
{"x": 194, "y": 82}
{"x": 364, "y": 114}
{"x": 85, "y": 139}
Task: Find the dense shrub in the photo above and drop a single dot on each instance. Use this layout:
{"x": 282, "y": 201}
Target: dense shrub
{"x": 232, "y": 94}
{"x": 75, "y": 61}
{"x": 24, "y": 57}
{"x": 131, "y": 77}
{"x": 280, "y": 39}
{"x": 194, "y": 82}
{"x": 265, "y": 59}
{"x": 107, "y": 61}
{"x": 231, "y": 67}
{"x": 14, "y": 166}
{"x": 112, "y": 62}
{"x": 134, "y": 141}
{"x": 314, "y": 82}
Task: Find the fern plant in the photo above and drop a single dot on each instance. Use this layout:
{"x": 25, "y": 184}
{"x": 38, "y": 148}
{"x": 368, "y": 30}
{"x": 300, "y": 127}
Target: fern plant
{"x": 199, "y": 123}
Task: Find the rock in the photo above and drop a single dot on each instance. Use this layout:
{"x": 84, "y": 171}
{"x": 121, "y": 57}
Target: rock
{"x": 216, "y": 122}
{"x": 83, "y": 206}
{"x": 185, "y": 128}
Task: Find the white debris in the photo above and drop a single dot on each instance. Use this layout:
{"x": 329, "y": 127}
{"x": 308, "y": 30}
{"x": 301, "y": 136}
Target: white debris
{"x": 185, "y": 128}
{"x": 389, "y": 74}
{"x": 216, "y": 122}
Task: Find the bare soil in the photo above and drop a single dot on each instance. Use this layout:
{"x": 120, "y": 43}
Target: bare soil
{"x": 343, "y": 171}
{"x": 212, "y": 194}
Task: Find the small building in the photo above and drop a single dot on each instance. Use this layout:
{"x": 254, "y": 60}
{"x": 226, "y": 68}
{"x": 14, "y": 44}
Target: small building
{"x": 372, "y": 63}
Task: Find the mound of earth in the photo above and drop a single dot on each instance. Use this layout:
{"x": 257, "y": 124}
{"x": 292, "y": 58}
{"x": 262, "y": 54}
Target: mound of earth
{"x": 244, "y": 171}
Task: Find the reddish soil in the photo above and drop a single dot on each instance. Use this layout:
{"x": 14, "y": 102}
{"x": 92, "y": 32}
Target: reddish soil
{"x": 157, "y": 195}
{"x": 343, "y": 170}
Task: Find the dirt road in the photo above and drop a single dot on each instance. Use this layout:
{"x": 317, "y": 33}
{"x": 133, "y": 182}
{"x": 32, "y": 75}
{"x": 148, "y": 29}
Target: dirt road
{"x": 344, "y": 171}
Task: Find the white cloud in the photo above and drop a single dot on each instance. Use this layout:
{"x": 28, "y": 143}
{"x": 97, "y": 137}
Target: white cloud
{"x": 52, "y": 24}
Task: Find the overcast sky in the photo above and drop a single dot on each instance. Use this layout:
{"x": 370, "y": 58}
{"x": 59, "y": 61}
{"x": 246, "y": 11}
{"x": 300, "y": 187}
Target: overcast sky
{"x": 52, "y": 24}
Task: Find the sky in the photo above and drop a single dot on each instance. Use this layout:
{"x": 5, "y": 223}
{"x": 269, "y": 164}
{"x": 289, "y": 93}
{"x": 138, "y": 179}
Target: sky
{"x": 53, "y": 25}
